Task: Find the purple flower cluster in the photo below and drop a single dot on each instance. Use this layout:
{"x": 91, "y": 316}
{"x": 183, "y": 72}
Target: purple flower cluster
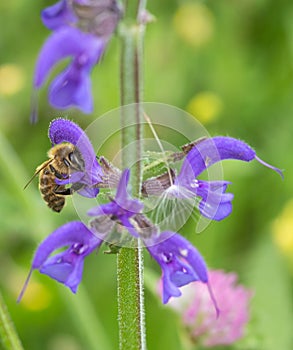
{"x": 180, "y": 262}
{"x": 81, "y": 31}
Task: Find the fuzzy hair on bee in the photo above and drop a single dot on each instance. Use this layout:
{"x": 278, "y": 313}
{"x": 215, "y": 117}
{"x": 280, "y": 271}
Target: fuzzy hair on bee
{"x": 64, "y": 159}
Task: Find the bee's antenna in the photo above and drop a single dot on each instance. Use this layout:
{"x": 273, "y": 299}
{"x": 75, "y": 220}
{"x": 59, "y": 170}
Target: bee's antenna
{"x": 29, "y": 181}
{"x": 40, "y": 168}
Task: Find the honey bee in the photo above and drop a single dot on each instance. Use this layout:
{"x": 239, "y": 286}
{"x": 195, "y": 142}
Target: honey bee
{"x": 64, "y": 159}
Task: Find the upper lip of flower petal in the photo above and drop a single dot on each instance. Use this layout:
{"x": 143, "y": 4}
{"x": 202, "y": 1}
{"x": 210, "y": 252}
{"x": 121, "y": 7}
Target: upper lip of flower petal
{"x": 64, "y": 130}
{"x": 67, "y": 234}
{"x": 72, "y": 87}
{"x": 58, "y": 15}
{"x": 65, "y": 42}
{"x": 213, "y": 150}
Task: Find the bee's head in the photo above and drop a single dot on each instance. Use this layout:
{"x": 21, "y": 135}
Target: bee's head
{"x": 65, "y": 156}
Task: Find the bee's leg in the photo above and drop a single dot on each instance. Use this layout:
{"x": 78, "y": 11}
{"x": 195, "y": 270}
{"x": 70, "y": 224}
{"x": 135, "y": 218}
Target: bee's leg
{"x": 58, "y": 175}
{"x": 62, "y": 191}
{"x": 68, "y": 191}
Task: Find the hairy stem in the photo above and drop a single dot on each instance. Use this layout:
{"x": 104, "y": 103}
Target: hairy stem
{"x": 130, "y": 260}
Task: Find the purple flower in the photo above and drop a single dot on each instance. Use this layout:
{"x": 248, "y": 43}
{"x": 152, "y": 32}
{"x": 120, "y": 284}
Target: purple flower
{"x": 81, "y": 31}
{"x": 122, "y": 207}
{"x": 72, "y": 87}
{"x": 65, "y": 267}
{"x": 215, "y": 203}
{"x": 58, "y": 15}
{"x": 195, "y": 309}
{"x": 64, "y": 130}
{"x": 180, "y": 262}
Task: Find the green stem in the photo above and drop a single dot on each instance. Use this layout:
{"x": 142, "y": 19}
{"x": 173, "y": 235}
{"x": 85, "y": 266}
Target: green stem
{"x": 8, "y": 336}
{"x": 130, "y": 260}
{"x": 131, "y": 96}
{"x": 130, "y": 299}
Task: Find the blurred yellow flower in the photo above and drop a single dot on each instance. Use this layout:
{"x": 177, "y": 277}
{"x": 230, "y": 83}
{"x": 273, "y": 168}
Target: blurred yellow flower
{"x": 205, "y": 106}
{"x": 12, "y": 79}
{"x": 283, "y": 229}
{"x": 194, "y": 23}
{"x": 37, "y": 297}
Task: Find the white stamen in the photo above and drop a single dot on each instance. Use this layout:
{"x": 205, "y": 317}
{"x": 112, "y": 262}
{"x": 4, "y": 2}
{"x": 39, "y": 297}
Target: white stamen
{"x": 194, "y": 184}
{"x": 184, "y": 252}
{"x": 207, "y": 161}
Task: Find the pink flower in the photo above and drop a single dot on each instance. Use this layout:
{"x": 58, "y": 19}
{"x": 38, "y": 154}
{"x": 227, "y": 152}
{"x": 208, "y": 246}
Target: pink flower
{"x": 198, "y": 314}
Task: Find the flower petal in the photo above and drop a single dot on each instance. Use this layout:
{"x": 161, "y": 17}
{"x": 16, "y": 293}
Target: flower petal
{"x": 213, "y": 150}
{"x": 78, "y": 180}
{"x": 74, "y": 177}
{"x": 64, "y": 42}
{"x": 88, "y": 191}
{"x": 65, "y": 235}
{"x": 122, "y": 207}
{"x": 72, "y": 88}
{"x": 66, "y": 272}
{"x": 66, "y": 267}
{"x": 123, "y": 199}
{"x": 64, "y": 130}
{"x": 180, "y": 262}
{"x": 218, "y": 212}
{"x": 104, "y": 209}
{"x": 122, "y": 193}
{"x": 58, "y": 15}
{"x": 215, "y": 203}
{"x": 129, "y": 227}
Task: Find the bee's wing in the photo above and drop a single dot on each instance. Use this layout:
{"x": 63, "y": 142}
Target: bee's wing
{"x": 38, "y": 170}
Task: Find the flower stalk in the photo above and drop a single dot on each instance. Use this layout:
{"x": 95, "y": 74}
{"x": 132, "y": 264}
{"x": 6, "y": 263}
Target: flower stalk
{"x": 130, "y": 260}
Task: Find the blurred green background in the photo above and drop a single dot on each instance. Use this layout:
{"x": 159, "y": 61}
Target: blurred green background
{"x": 230, "y": 64}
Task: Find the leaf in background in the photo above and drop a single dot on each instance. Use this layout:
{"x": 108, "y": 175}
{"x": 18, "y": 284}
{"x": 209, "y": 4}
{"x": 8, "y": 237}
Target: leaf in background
{"x": 272, "y": 306}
